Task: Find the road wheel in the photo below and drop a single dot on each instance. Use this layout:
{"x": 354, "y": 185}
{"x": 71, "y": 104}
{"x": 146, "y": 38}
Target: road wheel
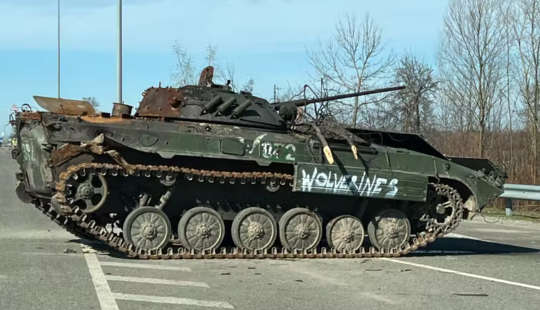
{"x": 254, "y": 229}
{"x": 345, "y": 233}
{"x": 201, "y": 228}
{"x": 300, "y": 229}
{"x": 389, "y": 229}
{"x": 147, "y": 228}
{"x": 91, "y": 192}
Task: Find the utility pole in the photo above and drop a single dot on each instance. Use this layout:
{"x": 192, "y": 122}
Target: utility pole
{"x": 58, "y": 51}
{"x": 276, "y": 93}
{"x": 119, "y": 60}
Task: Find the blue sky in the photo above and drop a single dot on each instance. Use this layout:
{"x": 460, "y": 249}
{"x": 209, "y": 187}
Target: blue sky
{"x": 264, "y": 40}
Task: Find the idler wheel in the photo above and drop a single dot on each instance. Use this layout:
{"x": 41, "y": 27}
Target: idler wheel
{"x": 91, "y": 192}
{"x": 300, "y": 229}
{"x": 445, "y": 210}
{"x": 345, "y": 233}
{"x": 201, "y": 229}
{"x": 254, "y": 229}
{"x": 147, "y": 228}
{"x": 389, "y": 229}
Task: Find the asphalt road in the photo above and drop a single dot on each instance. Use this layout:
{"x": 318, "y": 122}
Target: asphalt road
{"x": 481, "y": 266}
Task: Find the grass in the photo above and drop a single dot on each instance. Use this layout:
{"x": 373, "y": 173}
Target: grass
{"x": 523, "y": 213}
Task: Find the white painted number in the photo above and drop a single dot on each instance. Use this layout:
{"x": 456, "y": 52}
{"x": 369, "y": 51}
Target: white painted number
{"x": 272, "y": 150}
{"x": 291, "y": 151}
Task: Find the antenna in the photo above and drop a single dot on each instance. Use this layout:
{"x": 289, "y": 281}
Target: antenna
{"x": 276, "y": 93}
{"x": 119, "y": 60}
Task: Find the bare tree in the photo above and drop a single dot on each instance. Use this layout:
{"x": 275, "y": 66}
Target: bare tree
{"x": 92, "y": 100}
{"x": 471, "y": 61}
{"x": 185, "y": 71}
{"x": 527, "y": 35}
{"x": 414, "y": 103}
{"x": 211, "y": 52}
{"x": 287, "y": 92}
{"x": 351, "y": 60}
{"x": 229, "y": 74}
{"x": 249, "y": 86}
{"x": 507, "y": 11}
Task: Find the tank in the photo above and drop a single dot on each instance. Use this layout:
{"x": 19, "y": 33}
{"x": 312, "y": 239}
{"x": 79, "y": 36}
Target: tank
{"x": 202, "y": 171}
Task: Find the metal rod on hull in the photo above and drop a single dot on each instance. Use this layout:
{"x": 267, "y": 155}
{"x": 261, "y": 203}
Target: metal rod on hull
{"x": 119, "y": 69}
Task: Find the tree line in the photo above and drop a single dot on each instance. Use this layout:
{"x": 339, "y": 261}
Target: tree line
{"x": 480, "y": 99}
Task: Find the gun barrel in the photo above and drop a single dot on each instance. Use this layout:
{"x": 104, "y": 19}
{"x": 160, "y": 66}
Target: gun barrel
{"x": 303, "y": 102}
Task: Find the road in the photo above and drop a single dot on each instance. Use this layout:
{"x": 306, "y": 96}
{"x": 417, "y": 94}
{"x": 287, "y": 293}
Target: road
{"x": 481, "y": 266}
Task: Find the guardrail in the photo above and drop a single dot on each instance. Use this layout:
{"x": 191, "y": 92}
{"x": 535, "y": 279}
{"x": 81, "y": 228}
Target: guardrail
{"x": 519, "y": 192}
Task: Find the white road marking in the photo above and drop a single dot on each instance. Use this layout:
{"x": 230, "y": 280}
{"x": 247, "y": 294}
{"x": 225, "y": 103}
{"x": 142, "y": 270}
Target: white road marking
{"x": 145, "y": 266}
{"x": 77, "y": 255}
{"x": 156, "y": 281}
{"x": 103, "y": 291}
{"x": 378, "y": 298}
{"x": 465, "y": 274}
{"x": 35, "y": 234}
{"x": 447, "y": 252}
{"x": 454, "y": 235}
{"x": 174, "y": 300}
{"x": 503, "y": 230}
{"x": 88, "y": 249}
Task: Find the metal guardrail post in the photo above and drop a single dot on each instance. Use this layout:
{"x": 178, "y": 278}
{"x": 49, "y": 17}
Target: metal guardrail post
{"x": 508, "y": 206}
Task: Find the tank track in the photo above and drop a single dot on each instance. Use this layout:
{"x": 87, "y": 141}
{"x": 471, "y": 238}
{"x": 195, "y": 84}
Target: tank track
{"x": 82, "y": 225}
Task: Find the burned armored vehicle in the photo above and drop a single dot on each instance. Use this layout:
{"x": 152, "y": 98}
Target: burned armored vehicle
{"x": 202, "y": 171}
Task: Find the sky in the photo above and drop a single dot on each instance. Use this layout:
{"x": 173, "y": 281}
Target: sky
{"x": 263, "y": 39}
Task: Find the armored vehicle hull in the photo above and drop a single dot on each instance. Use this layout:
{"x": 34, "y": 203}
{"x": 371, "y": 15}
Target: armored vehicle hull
{"x": 176, "y": 187}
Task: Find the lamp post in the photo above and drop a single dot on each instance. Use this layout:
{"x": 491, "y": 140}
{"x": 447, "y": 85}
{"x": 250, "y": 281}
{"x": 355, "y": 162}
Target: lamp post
{"x": 58, "y": 51}
{"x": 119, "y": 56}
